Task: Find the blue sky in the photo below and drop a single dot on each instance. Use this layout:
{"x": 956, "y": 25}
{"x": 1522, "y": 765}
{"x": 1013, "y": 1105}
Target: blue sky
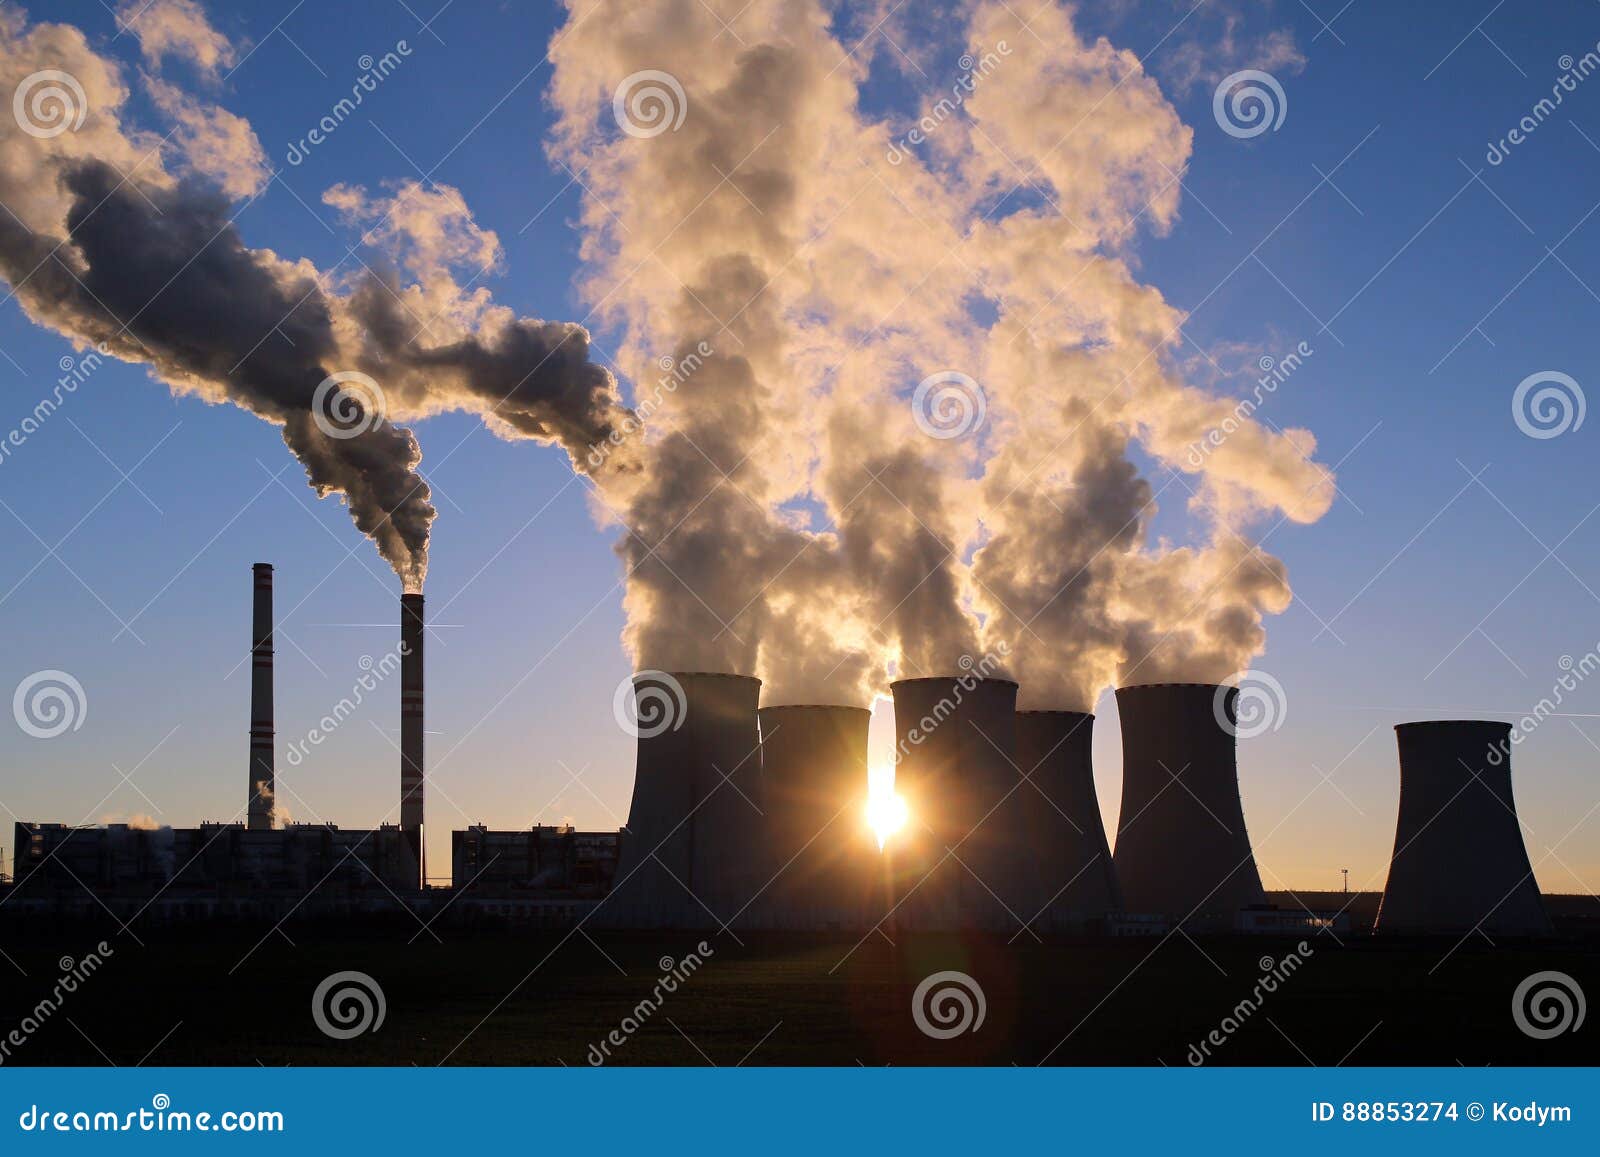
{"x": 1450, "y": 577}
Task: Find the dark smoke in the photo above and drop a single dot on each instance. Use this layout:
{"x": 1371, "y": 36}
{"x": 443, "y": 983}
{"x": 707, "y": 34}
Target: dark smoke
{"x": 161, "y": 276}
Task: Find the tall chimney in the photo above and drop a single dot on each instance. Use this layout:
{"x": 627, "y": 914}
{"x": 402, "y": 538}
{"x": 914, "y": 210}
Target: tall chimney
{"x": 1077, "y": 883}
{"x": 1459, "y": 860}
{"x": 262, "y": 744}
{"x": 1182, "y": 849}
{"x": 411, "y": 721}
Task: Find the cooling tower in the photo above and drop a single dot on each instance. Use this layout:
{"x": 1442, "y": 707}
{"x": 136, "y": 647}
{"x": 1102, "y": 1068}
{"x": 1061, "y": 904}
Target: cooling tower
{"x": 823, "y": 858}
{"x": 411, "y": 724}
{"x": 690, "y": 851}
{"x": 1182, "y": 849}
{"x": 963, "y": 860}
{"x": 1459, "y": 861}
{"x": 1077, "y": 883}
{"x": 262, "y": 784}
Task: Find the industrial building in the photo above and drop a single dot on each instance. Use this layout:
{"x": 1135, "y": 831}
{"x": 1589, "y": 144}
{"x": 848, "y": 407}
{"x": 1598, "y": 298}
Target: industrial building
{"x": 542, "y": 860}
{"x": 216, "y": 868}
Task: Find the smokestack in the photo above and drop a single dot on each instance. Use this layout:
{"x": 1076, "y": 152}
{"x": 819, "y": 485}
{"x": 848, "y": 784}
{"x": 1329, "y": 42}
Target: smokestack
{"x": 1459, "y": 859}
{"x": 818, "y": 845}
{"x": 262, "y": 784}
{"x": 964, "y": 861}
{"x": 1182, "y": 849}
{"x": 689, "y": 854}
{"x": 1077, "y": 882}
{"x": 411, "y": 722}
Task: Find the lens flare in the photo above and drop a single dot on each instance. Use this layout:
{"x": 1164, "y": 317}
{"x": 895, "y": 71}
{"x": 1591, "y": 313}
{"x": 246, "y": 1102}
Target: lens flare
{"x": 886, "y": 814}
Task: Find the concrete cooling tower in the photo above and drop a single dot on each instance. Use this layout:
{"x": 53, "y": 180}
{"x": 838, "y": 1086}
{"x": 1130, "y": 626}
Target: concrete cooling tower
{"x": 1182, "y": 849}
{"x": 823, "y": 858}
{"x": 1459, "y": 860}
{"x": 963, "y": 860}
{"x": 691, "y": 851}
{"x": 1077, "y": 882}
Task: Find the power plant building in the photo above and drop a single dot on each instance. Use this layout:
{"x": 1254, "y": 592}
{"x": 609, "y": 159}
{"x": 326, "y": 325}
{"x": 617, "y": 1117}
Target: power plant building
{"x": 538, "y": 861}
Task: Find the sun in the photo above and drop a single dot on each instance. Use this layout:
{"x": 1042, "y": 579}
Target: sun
{"x": 886, "y": 813}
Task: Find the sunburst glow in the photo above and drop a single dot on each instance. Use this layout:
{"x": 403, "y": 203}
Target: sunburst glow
{"x": 886, "y": 813}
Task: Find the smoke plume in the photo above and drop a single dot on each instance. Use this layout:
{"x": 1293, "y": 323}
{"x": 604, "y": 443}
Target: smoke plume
{"x": 107, "y": 246}
{"x": 800, "y": 489}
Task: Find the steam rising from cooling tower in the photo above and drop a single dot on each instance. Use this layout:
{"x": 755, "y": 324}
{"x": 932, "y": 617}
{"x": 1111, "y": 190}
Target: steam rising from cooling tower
{"x": 792, "y": 515}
